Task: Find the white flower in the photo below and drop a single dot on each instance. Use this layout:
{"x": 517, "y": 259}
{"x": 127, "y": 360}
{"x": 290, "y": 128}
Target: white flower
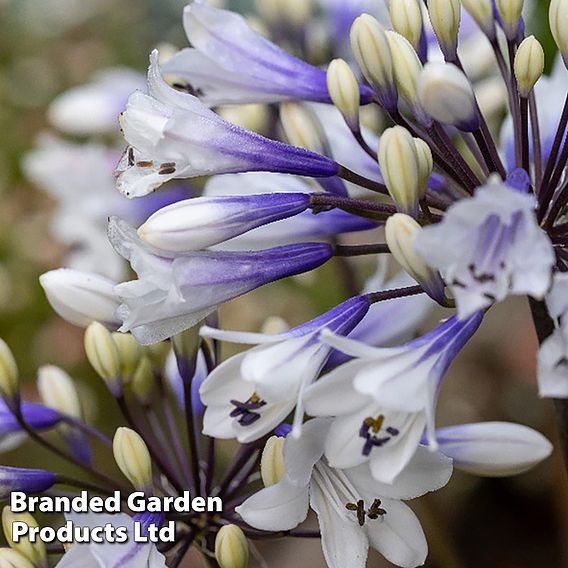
{"x": 384, "y": 399}
{"x": 488, "y": 247}
{"x": 248, "y": 395}
{"x": 110, "y": 555}
{"x": 553, "y": 353}
{"x": 354, "y": 511}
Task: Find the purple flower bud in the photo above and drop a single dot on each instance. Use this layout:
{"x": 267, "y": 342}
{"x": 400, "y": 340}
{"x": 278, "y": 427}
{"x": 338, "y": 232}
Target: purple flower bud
{"x": 26, "y": 480}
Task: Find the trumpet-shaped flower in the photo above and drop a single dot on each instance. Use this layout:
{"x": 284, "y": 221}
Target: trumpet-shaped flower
{"x": 489, "y": 247}
{"x": 248, "y": 395}
{"x": 383, "y": 399}
{"x": 176, "y": 291}
{"x": 354, "y": 511}
{"x": 230, "y": 63}
{"x": 553, "y": 353}
{"x": 174, "y": 135}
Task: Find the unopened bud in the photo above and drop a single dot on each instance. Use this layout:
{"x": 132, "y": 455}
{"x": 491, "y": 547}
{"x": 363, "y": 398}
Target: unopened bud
{"x": 447, "y": 95}
{"x": 425, "y": 165}
{"x": 302, "y": 128}
{"x": 58, "y": 391}
{"x": 482, "y": 12}
{"x": 10, "y": 558}
{"x": 254, "y": 116}
{"x": 133, "y": 458}
{"x": 445, "y": 16}
{"x": 558, "y": 18}
{"x": 400, "y": 232}
{"x": 344, "y": 92}
{"x": 231, "y": 547}
{"x": 372, "y": 53}
{"x": 406, "y": 18}
{"x": 143, "y": 382}
{"x": 35, "y": 551}
{"x": 81, "y": 297}
{"x": 510, "y": 12}
{"x": 129, "y": 353}
{"x": 9, "y": 382}
{"x": 529, "y": 65}
{"x": 272, "y": 462}
{"x": 102, "y": 354}
{"x": 399, "y": 165}
{"x": 407, "y": 68}
{"x": 493, "y": 449}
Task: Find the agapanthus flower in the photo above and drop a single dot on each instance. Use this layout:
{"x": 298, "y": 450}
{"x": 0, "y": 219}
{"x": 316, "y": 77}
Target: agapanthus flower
{"x": 174, "y": 135}
{"x": 489, "y": 247}
{"x": 383, "y": 399}
{"x": 25, "y": 480}
{"x": 354, "y": 511}
{"x": 248, "y": 395}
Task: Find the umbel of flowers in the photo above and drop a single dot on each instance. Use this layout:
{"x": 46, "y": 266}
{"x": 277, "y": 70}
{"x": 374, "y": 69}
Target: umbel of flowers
{"x": 338, "y": 413}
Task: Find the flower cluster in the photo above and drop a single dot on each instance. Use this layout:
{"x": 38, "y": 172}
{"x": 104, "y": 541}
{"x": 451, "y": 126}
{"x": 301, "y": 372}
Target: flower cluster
{"x": 338, "y": 412}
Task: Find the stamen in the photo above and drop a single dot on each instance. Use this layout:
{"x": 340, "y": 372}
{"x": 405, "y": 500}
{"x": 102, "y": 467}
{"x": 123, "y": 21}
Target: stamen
{"x": 247, "y": 411}
{"x": 370, "y": 429}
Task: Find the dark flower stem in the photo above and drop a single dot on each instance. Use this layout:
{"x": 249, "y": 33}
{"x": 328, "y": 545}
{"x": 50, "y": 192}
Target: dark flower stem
{"x": 348, "y": 175}
{"x": 360, "y": 250}
{"x": 525, "y": 134}
{"x": 535, "y": 131}
{"x": 375, "y": 297}
{"x": 544, "y": 327}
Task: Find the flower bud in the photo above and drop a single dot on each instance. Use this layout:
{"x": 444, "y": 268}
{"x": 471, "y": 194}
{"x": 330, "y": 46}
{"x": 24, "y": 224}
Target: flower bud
{"x": 482, "y": 12}
{"x": 9, "y": 382}
{"x": 407, "y": 68}
{"x": 529, "y": 65}
{"x": 10, "y": 558}
{"x": 302, "y": 128}
{"x": 129, "y": 353}
{"x": 398, "y": 160}
{"x": 272, "y": 462}
{"x": 510, "y": 12}
{"x": 200, "y": 222}
{"x": 133, "y": 458}
{"x": 558, "y": 19}
{"x": 447, "y": 95}
{"x": 344, "y": 92}
{"x": 425, "y": 165}
{"x": 58, "y": 391}
{"x": 493, "y": 449}
{"x": 102, "y": 354}
{"x": 253, "y": 116}
{"x": 400, "y": 231}
{"x": 143, "y": 382}
{"x": 372, "y": 53}
{"x": 406, "y": 18}
{"x": 231, "y": 547}
{"x": 445, "y": 17}
{"x": 81, "y": 297}
{"x": 35, "y": 551}
{"x": 24, "y": 479}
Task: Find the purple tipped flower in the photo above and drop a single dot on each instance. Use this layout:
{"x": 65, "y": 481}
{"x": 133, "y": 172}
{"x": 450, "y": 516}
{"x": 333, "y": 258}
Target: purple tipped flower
{"x": 26, "y": 480}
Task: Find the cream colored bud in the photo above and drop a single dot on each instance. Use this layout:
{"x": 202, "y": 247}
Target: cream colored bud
{"x": 344, "y": 92}
{"x": 302, "y": 128}
{"x": 400, "y": 232}
{"x": 186, "y": 344}
{"x": 231, "y": 547}
{"x": 10, "y": 558}
{"x": 58, "y": 391}
{"x": 254, "y": 116}
{"x": 129, "y": 353}
{"x": 558, "y": 18}
{"x": 272, "y": 462}
{"x": 398, "y": 160}
{"x": 373, "y": 55}
{"x": 158, "y": 353}
{"x": 447, "y": 95}
{"x": 133, "y": 458}
{"x": 425, "y": 165}
{"x": 529, "y": 65}
{"x": 407, "y": 68}
{"x": 143, "y": 382}
{"x": 35, "y": 552}
{"x": 9, "y": 381}
{"x": 510, "y": 12}
{"x": 102, "y": 354}
{"x": 406, "y": 18}
{"x": 482, "y": 12}
{"x": 445, "y": 17}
